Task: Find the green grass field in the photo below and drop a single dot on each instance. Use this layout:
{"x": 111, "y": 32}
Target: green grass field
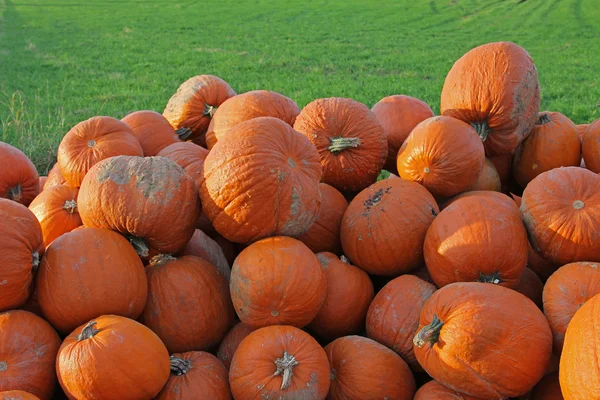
{"x": 63, "y": 61}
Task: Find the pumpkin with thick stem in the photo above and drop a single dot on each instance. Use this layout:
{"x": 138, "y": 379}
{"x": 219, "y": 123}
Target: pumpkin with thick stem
{"x": 483, "y": 340}
{"x": 231, "y": 341}
{"x": 531, "y": 286}
{"x": 201, "y": 245}
{"x": 434, "y": 390}
{"x": 56, "y": 210}
{"x": 502, "y": 107}
{"x": 19, "y": 180}
{"x": 28, "y": 347}
{"x": 188, "y": 156}
{"x": 17, "y": 395}
{"x": 279, "y": 362}
{"x": 55, "y": 177}
{"x": 152, "y": 130}
{"x": 591, "y": 146}
{"x": 351, "y": 143}
{"x": 488, "y": 179}
{"x": 21, "y": 247}
{"x": 112, "y": 357}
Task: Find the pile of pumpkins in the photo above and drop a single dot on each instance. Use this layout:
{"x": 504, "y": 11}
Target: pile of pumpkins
{"x": 236, "y": 246}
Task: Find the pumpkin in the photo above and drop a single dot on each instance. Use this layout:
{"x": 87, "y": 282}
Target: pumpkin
{"x": 443, "y": 154}
{"x": 542, "y": 267}
{"x": 384, "y": 227}
{"x": 531, "y": 286}
{"x": 17, "y": 395}
{"x": 488, "y": 179}
{"x": 201, "y": 245}
{"x": 43, "y": 180}
{"x": 483, "y": 340}
{"x": 247, "y": 197}
{"x": 33, "y": 305}
{"x": 277, "y": 281}
{"x": 434, "y": 390}
{"x": 196, "y": 375}
{"x": 279, "y": 362}
{"x": 563, "y": 227}
{"x": 142, "y": 198}
{"x": 91, "y": 141}
{"x": 112, "y": 357}
{"x": 503, "y": 165}
{"x": 193, "y": 105}
{"x": 398, "y": 115}
{"x": 19, "y": 180}
{"x": 56, "y": 210}
{"x": 324, "y": 234}
{"x": 393, "y": 316}
{"x": 591, "y": 147}
{"x": 547, "y": 389}
{"x": 423, "y": 273}
{"x": 229, "y": 248}
{"x": 495, "y": 88}
{"x": 488, "y": 193}
{"x": 247, "y": 106}
{"x": 361, "y": 368}
{"x": 188, "y": 156}
{"x": 152, "y": 130}
{"x": 464, "y": 241}
{"x": 349, "y": 293}
{"x": 581, "y": 129}
{"x": 553, "y": 143}
{"x": 21, "y": 246}
{"x": 28, "y": 347}
{"x": 565, "y": 292}
{"x": 351, "y": 143}
{"x": 55, "y": 177}
{"x": 90, "y": 272}
{"x": 231, "y": 341}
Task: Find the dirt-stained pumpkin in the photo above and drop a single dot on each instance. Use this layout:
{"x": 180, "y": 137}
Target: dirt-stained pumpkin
{"x": 19, "y": 180}
{"x": 188, "y": 156}
{"x": 591, "y": 146}
{"x": 152, "y": 130}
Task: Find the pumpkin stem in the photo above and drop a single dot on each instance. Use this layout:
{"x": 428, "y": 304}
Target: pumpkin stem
{"x": 179, "y": 366}
{"x": 344, "y": 259}
{"x": 88, "y": 331}
{"x": 492, "y": 278}
{"x": 15, "y": 193}
{"x": 209, "y": 111}
{"x": 578, "y": 204}
{"x": 36, "y": 260}
{"x": 543, "y": 118}
{"x": 183, "y": 133}
{"x": 285, "y": 365}
{"x": 482, "y": 128}
{"x": 429, "y": 333}
{"x": 139, "y": 245}
{"x": 3, "y": 366}
{"x": 338, "y": 144}
{"x": 161, "y": 259}
{"x": 70, "y": 206}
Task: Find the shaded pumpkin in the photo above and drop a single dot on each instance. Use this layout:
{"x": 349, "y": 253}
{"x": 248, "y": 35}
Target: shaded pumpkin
{"x": 488, "y": 179}
{"x": 201, "y": 245}
{"x": 43, "y": 180}
{"x": 17, "y": 395}
{"x": 501, "y": 107}
{"x": 531, "y": 286}
{"x": 229, "y": 248}
{"x": 188, "y": 156}
{"x": 351, "y": 143}
{"x": 547, "y": 389}
{"x": 19, "y": 180}
{"x": 384, "y": 227}
{"x": 538, "y": 264}
{"x": 487, "y": 193}
{"x": 591, "y": 147}
{"x": 33, "y": 305}
{"x": 55, "y": 177}
{"x": 433, "y": 390}
{"x": 581, "y": 129}
{"x": 231, "y": 341}
{"x": 503, "y": 165}
{"x": 152, "y": 130}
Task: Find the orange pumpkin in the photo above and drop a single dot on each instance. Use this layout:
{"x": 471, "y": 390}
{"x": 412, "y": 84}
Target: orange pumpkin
{"x": 487, "y": 193}
{"x": 398, "y": 115}
{"x": 19, "y": 180}
{"x": 488, "y": 179}
{"x": 91, "y": 141}
{"x": 231, "y": 341}
{"x": 55, "y": 177}
{"x": 501, "y": 106}
{"x": 483, "y": 340}
{"x": 581, "y": 129}
{"x": 247, "y": 106}
{"x": 201, "y": 245}
{"x": 547, "y": 389}
{"x": 503, "y": 165}
{"x": 17, "y": 395}
{"x": 434, "y": 390}
{"x": 56, "y": 210}
{"x": 531, "y": 286}
{"x": 443, "y": 154}
{"x": 563, "y": 227}
{"x": 248, "y": 197}
{"x": 384, "y": 227}
{"x": 279, "y": 362}
{"x": 553, "y": 143}
{"x": 43, "y": 180}
{"x": 351, "y": 143}
{"x": 277, "y": 281}
{"x": 152, "y": 130}
{"x": 542, "y": 267}
{"x": 393, "y": 316}
{"x": 188, "y": 156}
{"x": 591, "y": 147}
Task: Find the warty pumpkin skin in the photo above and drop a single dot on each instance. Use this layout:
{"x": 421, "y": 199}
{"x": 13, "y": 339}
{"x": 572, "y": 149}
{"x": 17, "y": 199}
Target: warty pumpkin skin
{"x": 501, "y": 106}
{"x": 553, "y": 143}
{"x": 112, "y": 357}
{"x": 591, "y": 147}
{"x": 55, "y": 177}
{"x": 398, "y": 115}
{"x": 91, "y": 141}
{"x": 434, "y": 390}
{"x": 249, "y": 197}
{"x": 201, "y": 245}
{"x": 277, "y": 281}
{"x": 531, "y": 286}
{"x": 152, "y": 130}
{"x": 351, "y": 143}
{"x": 21, "y": 246}
{"x": 564, "y": 227}
{"x": 279, "y": 362}
{"x": 19, "y": 180}
{"x": 188, "y": 156}
{"x": 547, "y": 389}
{"x": 231, "y": 341}
{"x": 28, "y": 347}
{"x": 443, "y": 154}
{"x": 247, "y": 106}
{"x": 464, "y": 242}
{"x": 150, "y": 200}
{"x": 193, "y": 105}
{"x": 17, "y": 395}
{"x": 90, "y": 272}
{"x": 393, "y": 316}
{"x": 384, "y": 227}
{"x": 488, "y": 179}
{"x": 483, "y": 340}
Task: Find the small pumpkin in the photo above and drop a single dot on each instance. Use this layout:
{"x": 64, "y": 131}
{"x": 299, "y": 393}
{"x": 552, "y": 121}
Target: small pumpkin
{"x": 56, "y": 210}
{"x": 201, "y": 245}
{"x": 488, "y": 179}
{"x": 231, "y": 341}
{"x": 591, "y": 147}
{"x": 433, "y": 390}
{"x": 188, "y": 156}
{"x": 531, "y": 286}
{"x": 279, "y": 362}
{"x": 351, "y": 143}
{"x": 152, "y": 130}
{"x": 547, "y": 389}
{"x": 19, "y": 180}
{"x": 581, "y": 129}
{"x": 55, "y": 177}
{"x": 17, "y": 395}
{"x": 503, "y": 165}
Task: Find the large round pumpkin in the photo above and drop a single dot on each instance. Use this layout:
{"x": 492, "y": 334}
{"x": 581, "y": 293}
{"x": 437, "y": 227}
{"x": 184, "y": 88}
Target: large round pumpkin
{"x": 188, "y": 305}
{"x": 531, "y": 286}
{"x": 277, "y": 281}
{"x": 17, "y": 395}
{"x": 19, "y": 180}
{"x": 28, "y": 347}
{"x": 488, "y": 179}
{"x": 56, "y": 210}
{"x": 152, "y": 130}
{"x": 443, "y": 154}
{"x": 477, "y": 238}
{"x": 91, "y": 141}
{"x": 231, "y": 341}
{"x": 21, "y": 247}
{"x": 434, "y": 390}
{"x": 279, "y": 362}
{"x": 495, "y": 88}
{"x": 553, "y": 142}
{"x": 591, "y": 146}
{"x": 384, "y": 226}
{"x": 351, "y": 143}
{"x": 55, "y": 177}
{"x": 150, "y": 200}
{"x": 563, "y": 227}
{"x": 547, "y": 389}
{"x": 201, "y": 245}
{"x": 188, "y": 156}
{"x": 112, "y": 357}
{"x": 261, "y": 180}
